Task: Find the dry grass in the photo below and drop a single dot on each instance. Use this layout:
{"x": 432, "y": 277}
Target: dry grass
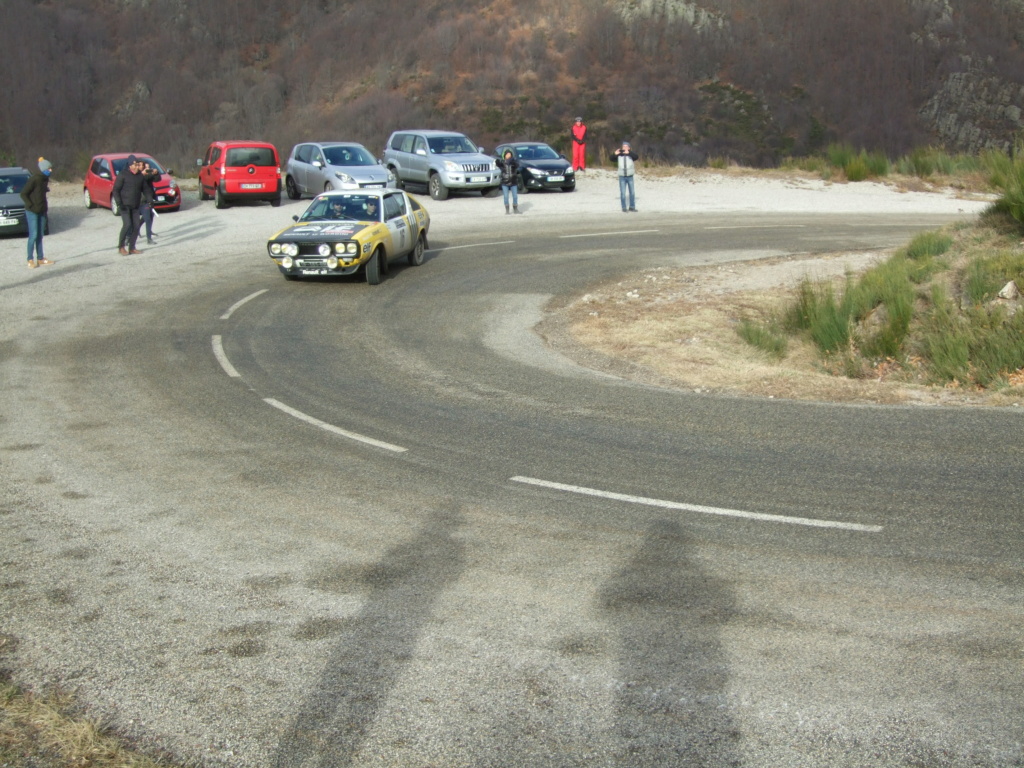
{"x": 42, "y": 731}
{"x": 678, "y": 327}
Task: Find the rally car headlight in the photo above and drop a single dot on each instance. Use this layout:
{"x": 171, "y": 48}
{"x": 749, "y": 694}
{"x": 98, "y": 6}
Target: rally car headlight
{"x": 275, "y": 249}
{"x": 287, "y": 262}
{"x": 288, "y": 249}
{"x": 349, "y": 248}
{"x": 324, "y": 250}
{"x": 332, "y": 262}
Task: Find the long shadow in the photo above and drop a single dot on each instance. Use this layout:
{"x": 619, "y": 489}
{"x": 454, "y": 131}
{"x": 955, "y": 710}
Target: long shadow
{"x": 668, "y": 615}
{"x": 373, "y": 651}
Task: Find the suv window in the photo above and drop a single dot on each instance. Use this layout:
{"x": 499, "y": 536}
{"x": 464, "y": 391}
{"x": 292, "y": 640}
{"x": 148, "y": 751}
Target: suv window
{"x": 403, "y": 142}
{"x": 450, "y": 145}
{"x": 239, "y": 157}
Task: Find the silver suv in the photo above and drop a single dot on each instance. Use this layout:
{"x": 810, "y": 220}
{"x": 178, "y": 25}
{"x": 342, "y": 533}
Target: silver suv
{"x": 443, "y": 160}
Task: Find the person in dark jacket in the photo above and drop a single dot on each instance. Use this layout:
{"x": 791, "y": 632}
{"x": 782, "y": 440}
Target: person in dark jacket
{"x": 36, "y": 206}
{"x": 128, "y": 191}
{"x": 150, "y": 176}
{"x": 509, "y": 179}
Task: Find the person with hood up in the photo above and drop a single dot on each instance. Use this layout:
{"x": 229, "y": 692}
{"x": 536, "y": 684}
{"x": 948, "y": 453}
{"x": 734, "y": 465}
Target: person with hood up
{"x": 128, "y": 192}
{"x": 36, "y": 207}
{"x": 509, "y": 179}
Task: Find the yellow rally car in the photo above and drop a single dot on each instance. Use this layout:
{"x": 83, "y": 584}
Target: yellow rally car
{"x": 341, "y": 233}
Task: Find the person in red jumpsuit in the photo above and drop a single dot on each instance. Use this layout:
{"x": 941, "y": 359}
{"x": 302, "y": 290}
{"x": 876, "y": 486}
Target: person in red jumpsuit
{"x": 579, "y": 145}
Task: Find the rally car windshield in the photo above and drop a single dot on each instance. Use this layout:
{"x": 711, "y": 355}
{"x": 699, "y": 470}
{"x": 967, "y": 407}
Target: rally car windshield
{"x": 343, "y": 207}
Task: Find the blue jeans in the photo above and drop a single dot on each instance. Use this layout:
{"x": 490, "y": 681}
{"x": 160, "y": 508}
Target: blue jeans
{"x": 36, "y": 227}
{"x": 624, "y": 183}
{"x": 515, "y": 193}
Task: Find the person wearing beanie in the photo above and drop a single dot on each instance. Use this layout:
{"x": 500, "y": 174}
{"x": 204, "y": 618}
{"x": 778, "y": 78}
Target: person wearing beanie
{"x": 34, "y": 196}
{"x": 578, "y": 134}
{"x": 625, "y": 158}
{"x": 128, "y": 191}
{"x": 509, "y": 178}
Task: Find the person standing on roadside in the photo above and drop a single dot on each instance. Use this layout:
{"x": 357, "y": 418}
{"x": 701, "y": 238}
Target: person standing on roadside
{"x": 579, "y": 145}
{"x": 626, "y": 159}
{"x": 128, "y": 193}
{"x": 36, "y": 206}
{"x": 509, "y": 179}
{"x": 150, "y": 176}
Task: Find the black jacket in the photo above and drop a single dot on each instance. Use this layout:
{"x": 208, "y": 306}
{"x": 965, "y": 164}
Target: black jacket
{"x": 149, "y": 186}
{"x": 509, "y": 171}
{"x": 128, "y": 188}
{"x": 34, "y": 193}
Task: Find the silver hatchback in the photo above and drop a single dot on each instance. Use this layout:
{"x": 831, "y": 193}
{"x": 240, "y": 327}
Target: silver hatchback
{"x": 322, "y": 166}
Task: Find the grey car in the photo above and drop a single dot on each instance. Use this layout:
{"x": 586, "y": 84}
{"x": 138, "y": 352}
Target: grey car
{"x": 12, "y": 207}
{"x": 442, "y": 160}
{"x": 320, "y": 166}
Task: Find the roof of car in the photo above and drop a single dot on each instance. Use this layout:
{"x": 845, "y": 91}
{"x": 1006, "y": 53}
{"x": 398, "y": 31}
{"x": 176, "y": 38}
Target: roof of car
{"x": 334, "y": 143}
{"x": 523, "y": 144}
{"x": 431, "y": 132}
{"x": 374, "y": 192}
{"x": 119, "y": 155}
{"x": 14, "y": 169}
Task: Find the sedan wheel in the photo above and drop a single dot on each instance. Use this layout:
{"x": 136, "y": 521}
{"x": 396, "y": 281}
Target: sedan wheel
{"x": 115, "y": 207}
{"x": 88, "y": 200}
{"x": 291, "y": 189}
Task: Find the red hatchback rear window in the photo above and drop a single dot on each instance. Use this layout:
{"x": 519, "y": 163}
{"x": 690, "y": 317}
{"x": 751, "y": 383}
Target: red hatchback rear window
{"x": 240, "y": 157}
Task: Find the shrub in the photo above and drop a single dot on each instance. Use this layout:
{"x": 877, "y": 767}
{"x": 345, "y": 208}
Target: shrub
{"x": 763, "y": 337}
{"x": 856, "y": 169}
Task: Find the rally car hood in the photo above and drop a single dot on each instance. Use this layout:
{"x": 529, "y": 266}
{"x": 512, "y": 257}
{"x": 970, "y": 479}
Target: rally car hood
{"x": 320, "y": 230}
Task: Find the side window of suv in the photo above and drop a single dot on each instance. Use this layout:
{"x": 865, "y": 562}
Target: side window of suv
{"x": 407, "y": 140}
{"x": 420, "y": 147}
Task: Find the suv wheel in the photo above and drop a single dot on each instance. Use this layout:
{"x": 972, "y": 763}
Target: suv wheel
{"x": 291, "y": 189}
{"x": 438, "y": 190}
{"x": 397, "y": 183}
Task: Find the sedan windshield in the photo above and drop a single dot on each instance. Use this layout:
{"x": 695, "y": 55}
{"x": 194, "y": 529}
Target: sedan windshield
{"x": 536, "y": 152}
{"x": 348, "y": 155}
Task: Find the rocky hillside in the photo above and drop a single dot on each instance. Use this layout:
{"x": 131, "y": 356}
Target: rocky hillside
{"x": 751, "y": 80}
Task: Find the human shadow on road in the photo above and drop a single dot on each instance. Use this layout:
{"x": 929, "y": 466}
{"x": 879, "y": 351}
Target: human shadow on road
{"x": 673, "y": 673}
{"x": 373, "y": 651}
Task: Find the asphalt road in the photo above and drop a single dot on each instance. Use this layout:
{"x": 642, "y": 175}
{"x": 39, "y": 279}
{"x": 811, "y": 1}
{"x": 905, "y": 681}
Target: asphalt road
{"x": 264, "y": 523}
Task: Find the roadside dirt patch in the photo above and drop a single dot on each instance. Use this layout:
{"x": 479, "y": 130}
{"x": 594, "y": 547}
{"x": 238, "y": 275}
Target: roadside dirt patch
{"x": 677, "y": 327}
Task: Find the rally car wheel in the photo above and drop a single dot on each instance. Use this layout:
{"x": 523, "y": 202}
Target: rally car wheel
{"x": 416, "y": 257}
{"x": 373, "y": 267}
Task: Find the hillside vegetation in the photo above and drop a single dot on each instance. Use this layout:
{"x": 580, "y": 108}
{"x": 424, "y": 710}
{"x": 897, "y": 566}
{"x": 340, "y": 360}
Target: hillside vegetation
{"x": 754, "y": 81}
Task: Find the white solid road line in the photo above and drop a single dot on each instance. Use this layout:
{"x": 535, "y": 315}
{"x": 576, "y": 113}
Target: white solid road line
{"x": 606, "y": 234}
{"x": 474, "y": 245}
{"x": 331, "y": 428}
{"x": 218, "y": 352}
{"x": 697, "y": 508}
{"x": 239, "y": 303}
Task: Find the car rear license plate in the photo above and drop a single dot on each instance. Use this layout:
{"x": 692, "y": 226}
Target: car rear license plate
{"x": 8, "y": 222}
{"x": 252, "y": 186}
{"x": 474, "y": 179}
{"x": 556, "y": 178}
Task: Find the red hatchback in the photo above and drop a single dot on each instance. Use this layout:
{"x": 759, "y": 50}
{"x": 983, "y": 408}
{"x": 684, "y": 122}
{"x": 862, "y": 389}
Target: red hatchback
{"x": 99, "y": 182}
